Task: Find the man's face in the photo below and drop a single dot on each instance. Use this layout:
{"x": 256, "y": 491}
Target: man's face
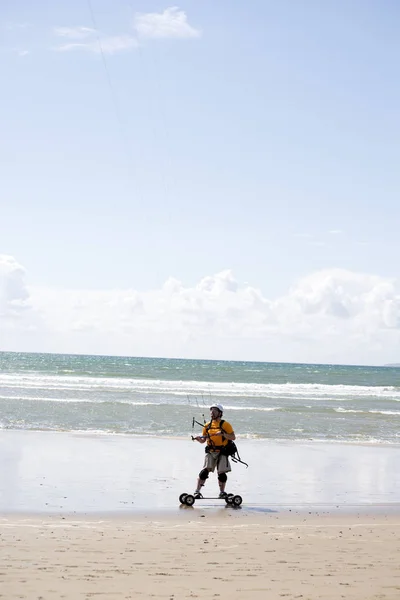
{"x": 214, "y": 412}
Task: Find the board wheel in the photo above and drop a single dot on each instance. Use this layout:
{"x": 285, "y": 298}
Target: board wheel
{"x": 182, "y": 498}
{"x": 237, "y": 500}
{"x": 189, "y": 500}
{"x": 228, "y": 499}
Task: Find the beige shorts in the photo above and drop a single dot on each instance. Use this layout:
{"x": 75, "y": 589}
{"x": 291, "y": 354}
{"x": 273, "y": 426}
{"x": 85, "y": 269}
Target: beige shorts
{"x": 216, "y": 459}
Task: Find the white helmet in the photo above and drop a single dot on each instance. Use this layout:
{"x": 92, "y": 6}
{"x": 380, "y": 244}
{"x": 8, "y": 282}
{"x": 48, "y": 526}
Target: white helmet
{"x": 219, "y": 406}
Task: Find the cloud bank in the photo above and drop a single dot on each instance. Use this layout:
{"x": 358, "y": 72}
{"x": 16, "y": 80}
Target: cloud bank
{"x": 334, "y": 316}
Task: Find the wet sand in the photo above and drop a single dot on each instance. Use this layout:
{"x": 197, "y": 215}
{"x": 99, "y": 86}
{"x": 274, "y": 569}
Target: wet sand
{"x": 58, "y": 473}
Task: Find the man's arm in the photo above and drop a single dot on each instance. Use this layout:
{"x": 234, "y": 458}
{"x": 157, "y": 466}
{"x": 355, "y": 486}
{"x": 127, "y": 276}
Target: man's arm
{"x": 228, "y": 434}
{"x": 202, "y": 438}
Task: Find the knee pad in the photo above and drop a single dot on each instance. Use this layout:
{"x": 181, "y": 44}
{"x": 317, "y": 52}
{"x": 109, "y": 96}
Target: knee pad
{"x": 203, "y": 474}
{"x": 222, "y": 477}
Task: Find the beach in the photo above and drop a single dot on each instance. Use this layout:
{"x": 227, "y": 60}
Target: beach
{"x": 96, "y": 451}
{"x": 202, "y": 555}
{"x": 86, "y": 516}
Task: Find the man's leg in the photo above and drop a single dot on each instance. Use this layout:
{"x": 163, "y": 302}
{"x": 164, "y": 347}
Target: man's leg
{"x": 210, "y": 462}
{"x": 203, "y": 475}
{"x": 222, "y": 479}
{"x": 224, "y": 467}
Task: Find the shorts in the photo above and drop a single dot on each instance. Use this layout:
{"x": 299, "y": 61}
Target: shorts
{"x": 216, "y": 459}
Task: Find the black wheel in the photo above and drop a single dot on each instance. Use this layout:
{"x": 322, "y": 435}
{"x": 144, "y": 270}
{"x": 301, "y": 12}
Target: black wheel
{"x": 228, "y": 499}
{"x": 182, "y": 498}
{"x": 189, "y": 500}
{"x": 237, "y": 500}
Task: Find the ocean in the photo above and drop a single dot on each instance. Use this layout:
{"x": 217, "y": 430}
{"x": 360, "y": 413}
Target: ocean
{"x": 160, "y": 397}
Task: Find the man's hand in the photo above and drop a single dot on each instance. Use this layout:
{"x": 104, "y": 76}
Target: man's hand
{"x": 200, "y": 438}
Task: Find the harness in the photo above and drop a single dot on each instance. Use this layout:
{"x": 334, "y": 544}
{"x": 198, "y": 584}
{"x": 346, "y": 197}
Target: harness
{"x": 228, "y": 449}
{"x": 210, "y": 441}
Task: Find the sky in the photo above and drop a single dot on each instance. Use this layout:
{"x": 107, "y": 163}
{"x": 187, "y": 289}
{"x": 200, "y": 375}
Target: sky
{"x": 202, "y": 180}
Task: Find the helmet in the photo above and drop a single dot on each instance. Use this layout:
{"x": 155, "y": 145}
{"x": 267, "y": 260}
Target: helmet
{"x": 219, "y": 406}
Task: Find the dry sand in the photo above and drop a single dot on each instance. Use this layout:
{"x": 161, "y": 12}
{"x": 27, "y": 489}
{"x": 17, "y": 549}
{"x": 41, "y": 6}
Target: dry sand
{"x": 198, "y": 554}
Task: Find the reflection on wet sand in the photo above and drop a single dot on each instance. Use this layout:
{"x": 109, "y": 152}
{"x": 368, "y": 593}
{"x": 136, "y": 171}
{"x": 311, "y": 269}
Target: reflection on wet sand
{"x": 63, "y": 472}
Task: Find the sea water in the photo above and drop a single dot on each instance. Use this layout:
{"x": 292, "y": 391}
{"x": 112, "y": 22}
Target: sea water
{"x": 161, "y": 397}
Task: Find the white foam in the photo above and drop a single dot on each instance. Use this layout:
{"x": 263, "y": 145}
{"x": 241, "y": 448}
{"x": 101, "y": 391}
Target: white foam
{"x": 378, "y": 412}
{"x": 196, "y": 391}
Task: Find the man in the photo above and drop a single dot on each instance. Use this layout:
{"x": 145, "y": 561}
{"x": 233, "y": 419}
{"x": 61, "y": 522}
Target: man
{"x": 217, "y": 436}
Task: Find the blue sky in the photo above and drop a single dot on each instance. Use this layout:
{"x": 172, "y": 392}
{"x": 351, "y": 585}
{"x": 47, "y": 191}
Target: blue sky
{"x": 257, "y": 138}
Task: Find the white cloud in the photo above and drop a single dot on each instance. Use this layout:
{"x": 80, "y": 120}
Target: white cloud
{"x": 92, "y": 41}
{"x": 13, "y": 291}
{"x": 216, "y": 284}
{"x": 18, "y": 319}
{"x": 75, "y": 33}
{"x": 107, "y": 44}
{"x": 171, "y": 23}
{"x": 333, "y": 315}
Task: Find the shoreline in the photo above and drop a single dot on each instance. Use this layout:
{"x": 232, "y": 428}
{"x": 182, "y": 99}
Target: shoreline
{"x": 250, "y": 512}
{"x": 244, "y": 438}
{"x": 192, "y": 518}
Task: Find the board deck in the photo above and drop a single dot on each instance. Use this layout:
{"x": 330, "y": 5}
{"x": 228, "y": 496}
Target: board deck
{"x": 209, "y": 498}
{"x": 230, "y": 499}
